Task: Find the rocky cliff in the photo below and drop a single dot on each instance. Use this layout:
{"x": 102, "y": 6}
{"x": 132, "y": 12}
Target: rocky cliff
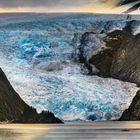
{"x": 128, "y": 1}
{"x": 117, "y": 56}
{"x": 114, "y": 54}
{"x": 121, "y": 58}
{"x": 133, "y": 112}
{"x": 134, "y": 7}
{"x": 14, "y": 109}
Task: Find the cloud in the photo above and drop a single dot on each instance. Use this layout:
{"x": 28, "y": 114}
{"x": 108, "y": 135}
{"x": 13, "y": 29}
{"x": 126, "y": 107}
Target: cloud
{"x": 48, "y": 3}
{"x": 43, "y": 6}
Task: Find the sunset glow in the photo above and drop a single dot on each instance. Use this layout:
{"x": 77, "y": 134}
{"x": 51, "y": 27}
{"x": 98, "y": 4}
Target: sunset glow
{"x": 88, "y": 8}
{"x": 96, "y": 7}
{"x": 51, "y": 6}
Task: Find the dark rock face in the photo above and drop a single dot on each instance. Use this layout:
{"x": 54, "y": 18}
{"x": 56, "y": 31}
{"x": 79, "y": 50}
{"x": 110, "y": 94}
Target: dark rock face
{"x": 14, "y": 109}
{"x": 128, "y": 1}
{"x": 133, "y": 8}
{"x": 133, "y": 112}
{"x": 11, "y": 105}
{"x": 31, "y": 116}
{"x": 85, "y": 46}
{"x": 121, "y": 58}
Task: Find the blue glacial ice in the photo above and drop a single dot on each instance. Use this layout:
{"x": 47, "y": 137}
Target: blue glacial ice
{"x": 36, "y": 55}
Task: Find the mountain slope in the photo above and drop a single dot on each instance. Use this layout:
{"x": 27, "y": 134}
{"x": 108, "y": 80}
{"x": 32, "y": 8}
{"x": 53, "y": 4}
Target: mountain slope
{"x": 121, "y": 58}
{"x": 11, "y": 105}
{"x": 14, "y": 109}
{"x": 133, "y": 112}
{"x": 128, "y": 1}
{"x": 134, "y": 7}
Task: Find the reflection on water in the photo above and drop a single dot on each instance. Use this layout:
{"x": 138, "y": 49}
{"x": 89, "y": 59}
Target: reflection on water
{"x": 77, "y": 131}
{"x": 23, "y": 132}
{"x": 7, "y": 133}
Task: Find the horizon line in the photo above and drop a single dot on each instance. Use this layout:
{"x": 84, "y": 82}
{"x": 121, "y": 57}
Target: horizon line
{"x": 68, "y": 13}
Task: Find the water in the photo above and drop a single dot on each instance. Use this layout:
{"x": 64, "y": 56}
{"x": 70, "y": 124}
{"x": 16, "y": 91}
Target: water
{"x": 72, "y": 131}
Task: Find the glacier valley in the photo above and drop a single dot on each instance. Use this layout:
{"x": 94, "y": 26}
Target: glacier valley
{"x": 38, "y": 53}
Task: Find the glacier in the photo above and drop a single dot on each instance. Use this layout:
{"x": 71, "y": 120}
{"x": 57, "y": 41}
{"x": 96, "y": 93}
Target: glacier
{"x": 38, "y": 54}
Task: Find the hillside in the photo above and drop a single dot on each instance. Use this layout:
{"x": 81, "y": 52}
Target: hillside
{"x": 121, "y": 58}
{"x": 14, "y": 109}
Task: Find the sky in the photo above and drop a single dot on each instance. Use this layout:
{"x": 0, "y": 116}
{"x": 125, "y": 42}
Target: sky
{"x": 93, "y": 6}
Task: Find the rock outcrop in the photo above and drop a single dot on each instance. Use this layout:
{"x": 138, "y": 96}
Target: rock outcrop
{"x": 121, "y": 58}
{"x": 128, "y": 1}
{"x": 133, "y": 112}
{"x": 133, "y": 8}
{"x": 14, "y": 109}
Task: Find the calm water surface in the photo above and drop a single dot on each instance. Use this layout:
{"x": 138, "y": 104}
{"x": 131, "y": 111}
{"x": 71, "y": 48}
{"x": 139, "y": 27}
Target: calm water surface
{"x": 72, "y": 131}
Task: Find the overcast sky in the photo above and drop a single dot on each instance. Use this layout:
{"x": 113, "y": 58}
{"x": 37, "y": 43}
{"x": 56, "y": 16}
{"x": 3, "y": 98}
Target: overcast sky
{"x": 47, "y": 3}
{"x": 97, "y": 6}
